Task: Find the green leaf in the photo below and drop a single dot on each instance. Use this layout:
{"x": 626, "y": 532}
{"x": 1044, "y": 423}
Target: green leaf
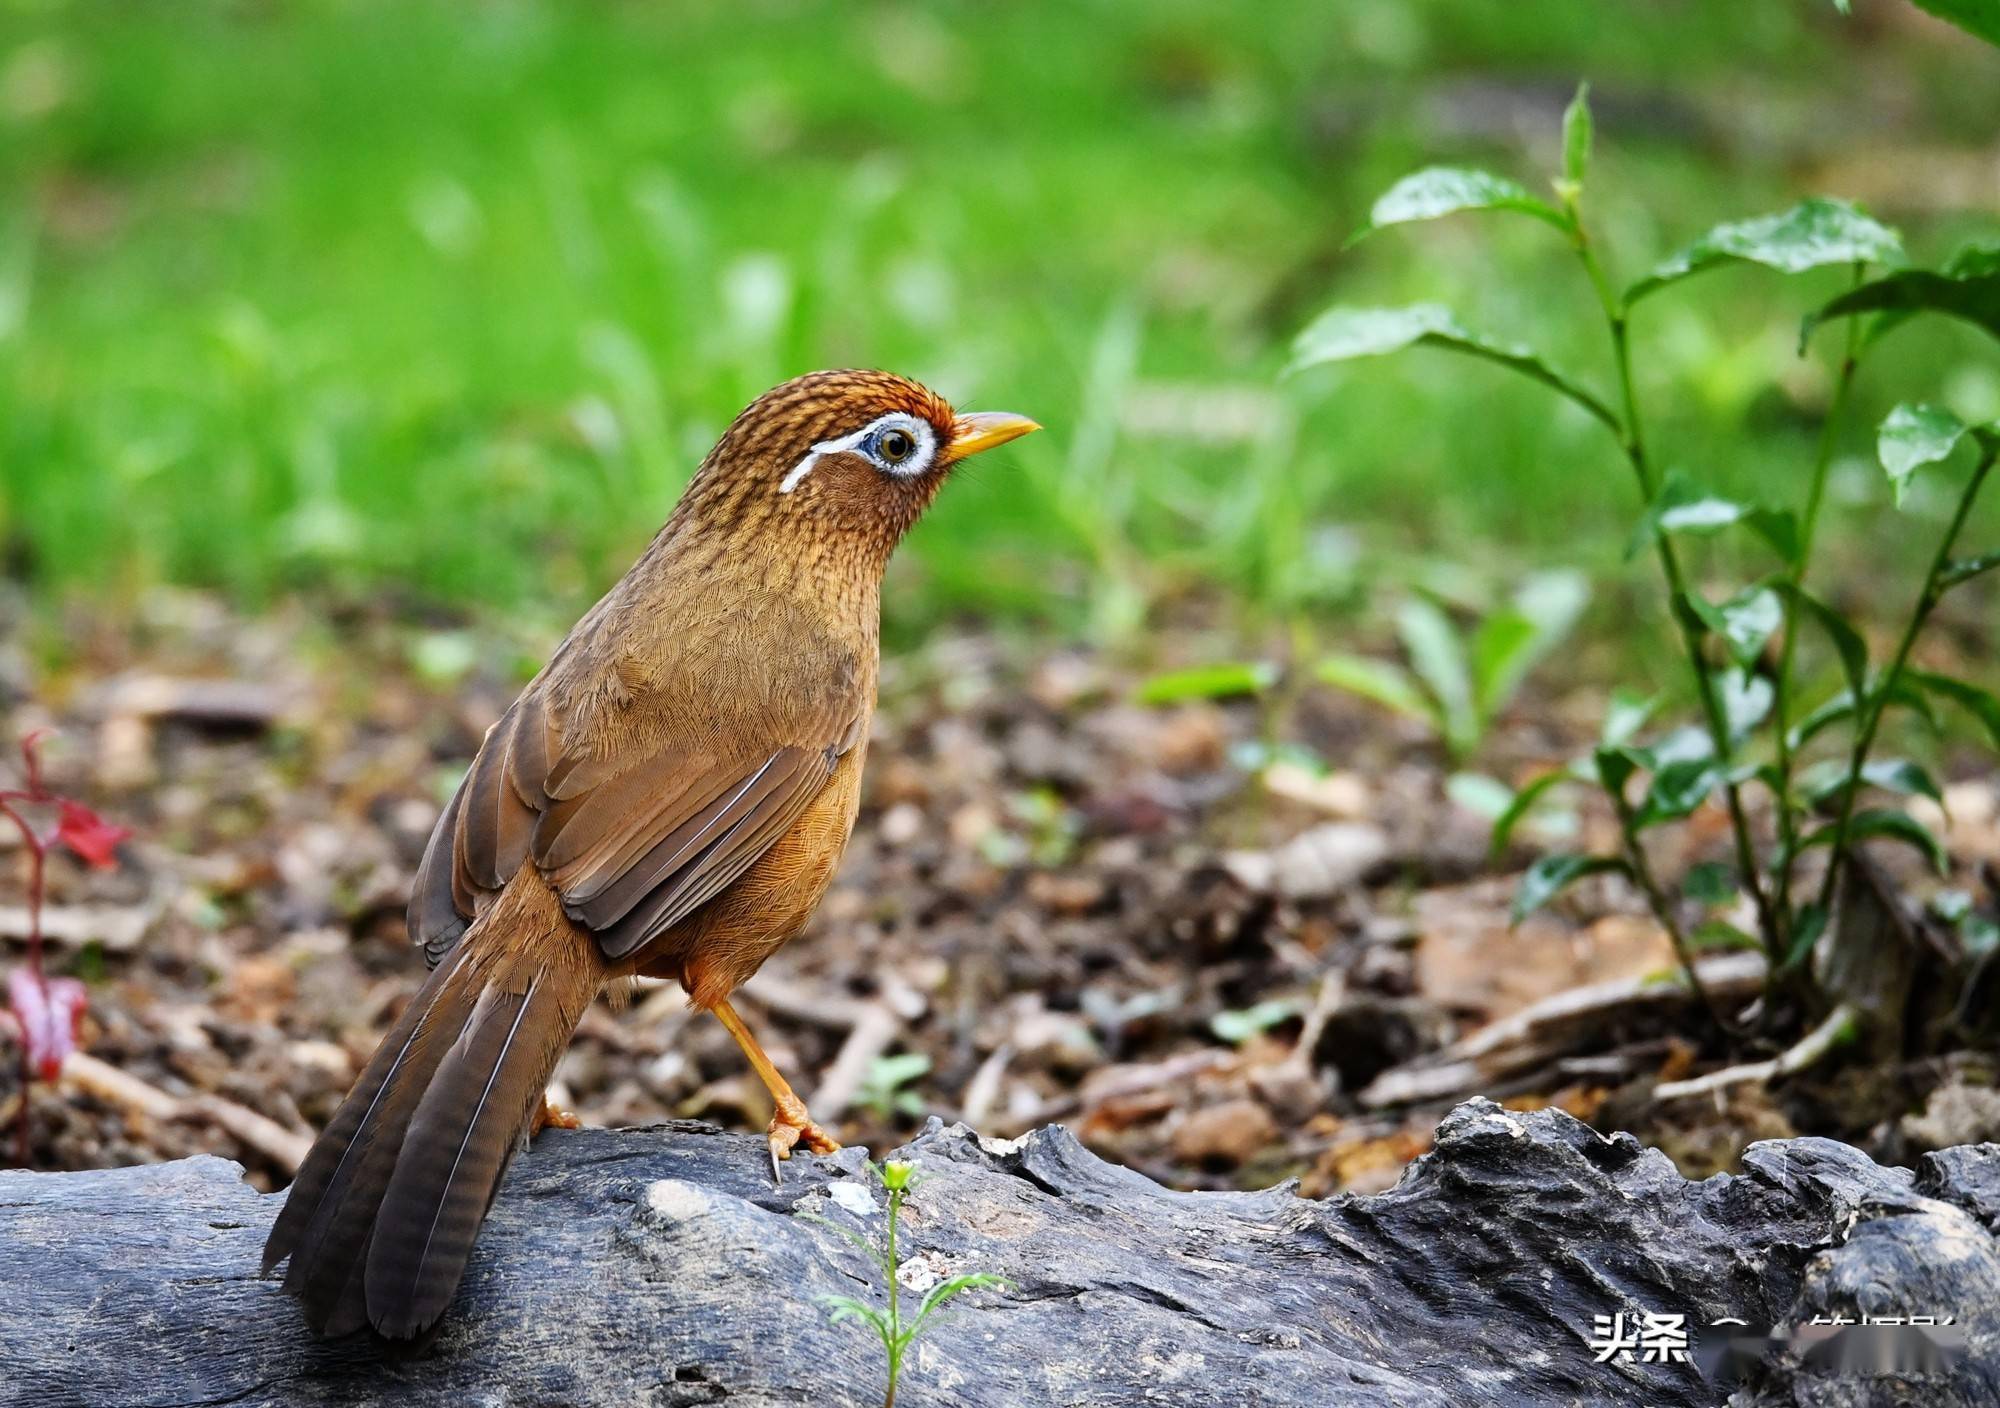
{"x": 1682, "y": 506}
{"x": 1712, "y": 935}
{"x": 1503, "y": 651}
{"x": 1438, "y": 657}
{"x": 1746, "y": 700}
{"x": 1511, "y": 640}
{"x": 1479, "y": 794}
{"x": 1847, "y": 642}
{"x": 1209, "y": 682}
{"x": 1684, "y": 744}
{"x": 1980, "y": 18}
{"x": 1701, "y": 515}
{"x": 1980, "y": 703}
{"x": 1551, "y": 875}
{"x": 1615, "y": 765}
{"x": 1518, "y": 807}
{"x": 1811, "y": 234}
{"x": 1964, "y": 569}
{"x": 943, "y": 1291}
{"x": 844, "y": 1308}
{"x": 1889, "y": 825}
{"x": 1780, "y": 528}
{"x": 1341, "y": 334}
{"x": 1446, "y": 190}
{"x": 1839, "y": 707}
{"x": 1677, "y": 789}
{"x": 1710, "y": 883}
{"x": 1827, "y": 781}
{"x": 1745, "y": 621}
{"x": 1387, "y": 684}
{"x": 1968, "y": 289}
{"x": 1980, "y": 935}
{"x": 1901, "y": 691}
{"x": 1626, "y": 714}
{"x": 1951, "y": 905}
{"x": 1913, "y": 436}
{"x": 1808, "y": 923}
{"x": 1239, "y": 1026}
{"x": 1577, "y": 134}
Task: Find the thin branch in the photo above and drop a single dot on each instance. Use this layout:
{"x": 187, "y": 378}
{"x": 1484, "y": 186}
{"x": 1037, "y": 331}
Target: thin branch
{"x": 1634, "y": 444}
{"x": 1815, "y": 1046}
{"x": 1782, "y": 696}
{"x": 1877, "y": 703}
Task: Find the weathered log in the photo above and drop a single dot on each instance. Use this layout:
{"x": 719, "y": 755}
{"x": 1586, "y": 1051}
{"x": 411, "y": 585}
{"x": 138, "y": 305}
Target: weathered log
{"x": 659, "y": 1266}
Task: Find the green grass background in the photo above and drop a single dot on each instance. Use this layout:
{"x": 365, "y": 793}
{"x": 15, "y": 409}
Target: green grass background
{"x": 443, "y": 301}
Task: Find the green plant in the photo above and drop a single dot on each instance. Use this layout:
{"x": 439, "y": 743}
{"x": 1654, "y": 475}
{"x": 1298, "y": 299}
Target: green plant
{"x": 1753, "y": 731}
{"x": 1458, "y": 682}
{"x": 888, "y": 1322}
{"x": 885, "y": 1090}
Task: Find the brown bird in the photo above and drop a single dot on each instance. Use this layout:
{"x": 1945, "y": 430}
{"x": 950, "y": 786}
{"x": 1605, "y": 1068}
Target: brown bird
{"x": 668, "y": 797}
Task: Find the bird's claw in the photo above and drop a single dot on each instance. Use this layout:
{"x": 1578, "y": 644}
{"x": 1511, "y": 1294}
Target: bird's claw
{"x": 547, "y": 1116}
{"x": 791, "y": 1127}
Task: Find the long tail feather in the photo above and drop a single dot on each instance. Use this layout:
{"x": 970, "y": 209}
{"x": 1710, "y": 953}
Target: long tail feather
{"x": 384, "y": 1212}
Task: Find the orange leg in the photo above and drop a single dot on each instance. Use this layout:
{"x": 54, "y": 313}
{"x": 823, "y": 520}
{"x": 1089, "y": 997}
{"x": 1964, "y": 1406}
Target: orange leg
{"x": 547, "y": 1115}
{"x": 789, "y": 1121}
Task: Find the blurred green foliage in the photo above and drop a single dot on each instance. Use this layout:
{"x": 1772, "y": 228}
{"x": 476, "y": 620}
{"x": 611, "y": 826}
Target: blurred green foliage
{"x": 448, "y": 299}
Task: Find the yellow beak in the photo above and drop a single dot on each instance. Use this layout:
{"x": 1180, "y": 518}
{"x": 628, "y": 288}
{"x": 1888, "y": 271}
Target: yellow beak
{"x": 982, "y": 430}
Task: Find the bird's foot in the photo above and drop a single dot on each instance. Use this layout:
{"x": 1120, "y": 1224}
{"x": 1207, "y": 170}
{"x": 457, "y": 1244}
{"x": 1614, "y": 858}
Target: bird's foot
{"x": 547, "y": 1115}
{"x": 790, "y": 1126}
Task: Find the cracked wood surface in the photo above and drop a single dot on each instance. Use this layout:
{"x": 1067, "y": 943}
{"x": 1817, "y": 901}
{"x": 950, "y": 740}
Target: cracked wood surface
{"x": 658, "y": 1266}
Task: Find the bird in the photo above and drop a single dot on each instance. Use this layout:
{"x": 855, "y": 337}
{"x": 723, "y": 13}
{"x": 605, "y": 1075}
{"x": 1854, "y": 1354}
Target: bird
{"x": 668, "y": 798}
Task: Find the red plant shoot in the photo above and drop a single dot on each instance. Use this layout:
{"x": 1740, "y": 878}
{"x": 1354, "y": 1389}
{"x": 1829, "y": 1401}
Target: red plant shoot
{"x": 47, "y": 1011}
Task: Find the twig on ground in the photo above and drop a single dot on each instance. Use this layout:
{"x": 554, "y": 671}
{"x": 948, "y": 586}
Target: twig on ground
{"x": 1812, "y": 1048}
{"x": 876, "y": 1028}
{"x": 119, "y": 928}
{"x": 1547, "y": 1030}
{"x": 281, "y": 1146}
{"x": 982, "y": 1092}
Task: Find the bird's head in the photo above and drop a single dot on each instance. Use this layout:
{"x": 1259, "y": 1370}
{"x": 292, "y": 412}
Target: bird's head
{"x": 854, "y": 456}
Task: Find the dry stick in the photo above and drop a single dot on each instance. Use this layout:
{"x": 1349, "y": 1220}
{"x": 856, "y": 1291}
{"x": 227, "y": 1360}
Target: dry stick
{"x": 281, "y": 1146}
{"x": 1633, "y": 443}
{"x": 871, "y": 1035}
{"x": 982, "y": 1092}
{"x": 1878, "y": 702}
{"x": 1812, "y": 1048}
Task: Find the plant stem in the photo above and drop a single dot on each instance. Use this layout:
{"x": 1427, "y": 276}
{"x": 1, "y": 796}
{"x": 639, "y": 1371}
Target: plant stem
{"x": 38, "y": 855}
{"x": 895, "y": 1307}
{"x": 1634, "y": 444}
{"x": 1877, "y": 703}
{"x": 1663, "y": 910}
{"x": 1782, "y": 696}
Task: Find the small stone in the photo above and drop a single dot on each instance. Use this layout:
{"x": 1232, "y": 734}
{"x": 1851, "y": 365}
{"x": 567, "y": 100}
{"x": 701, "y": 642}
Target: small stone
{"x": 675, "y": 1199}
{"x": 852, "y": 1197}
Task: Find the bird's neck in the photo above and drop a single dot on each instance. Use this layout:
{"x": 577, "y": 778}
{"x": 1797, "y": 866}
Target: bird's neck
{"x": 830, "y": 576}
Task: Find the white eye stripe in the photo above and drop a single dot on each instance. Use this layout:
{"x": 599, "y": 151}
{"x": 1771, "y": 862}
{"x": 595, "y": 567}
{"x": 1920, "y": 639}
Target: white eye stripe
{"x": 915, "y": 463}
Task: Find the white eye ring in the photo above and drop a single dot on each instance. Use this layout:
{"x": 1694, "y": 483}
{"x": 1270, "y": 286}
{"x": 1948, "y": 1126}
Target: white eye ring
{"x": 863, "y": 442}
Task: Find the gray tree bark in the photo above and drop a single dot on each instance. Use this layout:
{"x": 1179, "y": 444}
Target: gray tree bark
{"x": 659, "y": 1266}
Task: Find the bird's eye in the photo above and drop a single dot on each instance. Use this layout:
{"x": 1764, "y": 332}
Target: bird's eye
{"x": 895, "y": 446}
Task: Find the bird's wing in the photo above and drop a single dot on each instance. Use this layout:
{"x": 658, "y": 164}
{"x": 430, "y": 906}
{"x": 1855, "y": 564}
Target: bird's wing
{"x": 633, "y": 843}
